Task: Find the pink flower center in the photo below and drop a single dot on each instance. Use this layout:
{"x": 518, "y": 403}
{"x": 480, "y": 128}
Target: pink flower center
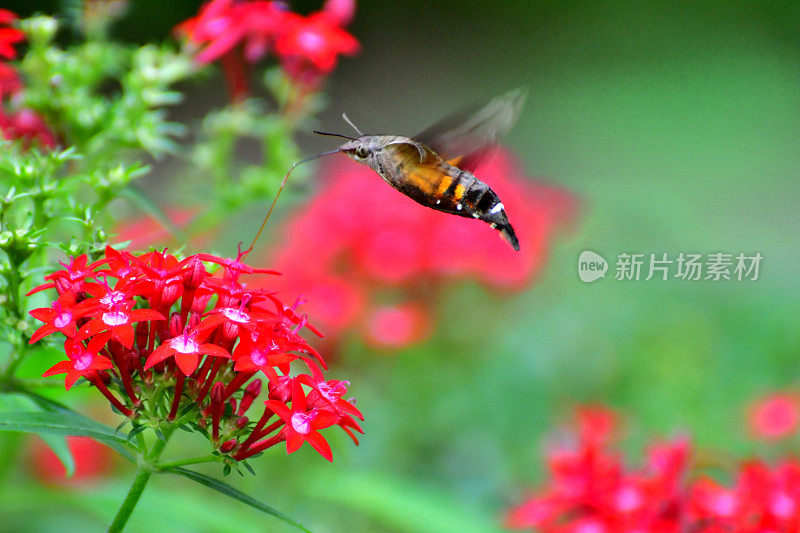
{"x": 332, "y": 394}
{"x": 724, "y": 504}
{"x": 301, "y": 422}
{"x": 63, "y": 319}
{"x": 310, "y": 40}
{"x": 236, "y": 315}
{"x": 112, "y": 299}
{"x": 628, "y": 499}
{"x": 782, "y": 506}
{"x": 216, "y": 26}
{"x": 82, "y": 361}
{"x": 590, "y": 526}
{"x": 115, "y": 318}
{"x": 258, "y": 358}
{"x": 185, "y": 344}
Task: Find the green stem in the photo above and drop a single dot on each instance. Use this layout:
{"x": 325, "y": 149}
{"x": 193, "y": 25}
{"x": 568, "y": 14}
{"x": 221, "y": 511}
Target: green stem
{"x": 146, "y": 468}
{"x": 190, "y": 461}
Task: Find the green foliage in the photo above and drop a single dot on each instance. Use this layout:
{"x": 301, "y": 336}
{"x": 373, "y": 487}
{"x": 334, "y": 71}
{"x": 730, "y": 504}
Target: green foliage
{"x": 103, "y": 98}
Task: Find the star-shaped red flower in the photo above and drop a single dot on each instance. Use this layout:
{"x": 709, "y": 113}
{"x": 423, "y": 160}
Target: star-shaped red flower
{"x": 187, "y": 348}
{"x": 303, "y": 425}
{"x": 82, "y": 359}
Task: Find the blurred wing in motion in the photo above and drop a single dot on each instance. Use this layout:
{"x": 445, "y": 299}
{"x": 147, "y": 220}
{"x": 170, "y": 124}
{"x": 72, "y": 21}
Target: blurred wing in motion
{"x": 462, "y": 139}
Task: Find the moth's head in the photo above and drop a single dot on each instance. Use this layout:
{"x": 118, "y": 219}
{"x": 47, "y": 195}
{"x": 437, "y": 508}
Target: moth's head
{"x": 362, "y": 148}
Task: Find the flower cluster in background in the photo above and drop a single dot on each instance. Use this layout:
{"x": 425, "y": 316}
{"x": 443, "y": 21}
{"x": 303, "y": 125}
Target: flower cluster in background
{"x": 242, "y": 32}
{"x": 164, "y": 339}
{"x": 590, "y": 488}
{"x": 17, "y": 122}
{"x": 358, "y": 238}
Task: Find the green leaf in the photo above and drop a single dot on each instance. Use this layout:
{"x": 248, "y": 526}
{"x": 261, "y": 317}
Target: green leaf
{"x": 59, "y": 445}
{"x": 46, "y": 404}
{"x": 64, "y": 423}
{"x": 227, "y": 490}
{"x": 25, "y": 401}
{"x": 135, "y": 431}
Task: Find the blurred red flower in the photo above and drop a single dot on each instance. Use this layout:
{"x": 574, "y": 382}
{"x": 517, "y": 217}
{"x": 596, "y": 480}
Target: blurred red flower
{"x": 23, "y": 123}
{"x": 222, "y": 25}
{"x": 144, "y": 230}
{"x": 395, "y": 326}
{"x": 10, "y": 83}
{"x": 358, "y": 236}
{"x": 242, "y": 32}
{"x": 775, "y": 416}
{"x": 590, "y": 488}
{"x": 28, "y": 126}
{"x": 9, "y": 36}
{"x": 93, "y": 461}
{"x": 309, "y": 46}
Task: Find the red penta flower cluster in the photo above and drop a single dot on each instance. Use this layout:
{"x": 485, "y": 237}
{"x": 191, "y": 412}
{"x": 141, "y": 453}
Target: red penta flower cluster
{"x": 362, "y": 239}
{"x": 591, "y": 489}
{"x": 307, "y": 46}
{"x": 22, "y": 123}
{"x": 167, "y": 339}
{"x": 9, "y": 36}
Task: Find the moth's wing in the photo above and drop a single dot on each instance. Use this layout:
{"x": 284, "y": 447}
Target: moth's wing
{"x": 462, "y": 139}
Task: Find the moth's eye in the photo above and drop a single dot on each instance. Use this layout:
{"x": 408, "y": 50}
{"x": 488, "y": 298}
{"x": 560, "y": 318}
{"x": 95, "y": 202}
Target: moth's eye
{"x": 361, "y": 152}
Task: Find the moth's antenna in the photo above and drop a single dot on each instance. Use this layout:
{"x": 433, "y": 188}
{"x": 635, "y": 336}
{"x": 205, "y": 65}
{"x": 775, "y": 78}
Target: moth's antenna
{"x": 334, "y": 135}
{"x": 344, "y": 116}
{"x": 277, "y": 195}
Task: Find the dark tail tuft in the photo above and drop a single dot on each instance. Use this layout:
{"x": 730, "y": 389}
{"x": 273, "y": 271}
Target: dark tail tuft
{"x": 508, "y": 234}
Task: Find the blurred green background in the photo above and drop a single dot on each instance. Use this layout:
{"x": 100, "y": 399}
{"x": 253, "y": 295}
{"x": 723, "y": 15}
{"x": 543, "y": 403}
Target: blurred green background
{"x": 678, "y": 127}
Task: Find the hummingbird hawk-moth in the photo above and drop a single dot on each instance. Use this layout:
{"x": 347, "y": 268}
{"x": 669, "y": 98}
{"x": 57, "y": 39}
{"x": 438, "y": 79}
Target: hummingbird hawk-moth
{"x": 435, "y": 168}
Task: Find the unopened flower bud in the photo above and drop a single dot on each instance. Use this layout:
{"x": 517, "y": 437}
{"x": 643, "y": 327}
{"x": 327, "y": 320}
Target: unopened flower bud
{"x": 217, "y": 391}
{"x": 171, "y": 294}
{"x": 194, "y": 275}
{"x": 250, "y": 394}
{"x": 142, "y": 333}
{"x": 227, "y": 446}
{"x": 175, "y": 325}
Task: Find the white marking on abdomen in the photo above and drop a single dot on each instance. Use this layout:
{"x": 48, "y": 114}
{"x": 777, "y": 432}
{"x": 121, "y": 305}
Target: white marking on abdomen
{"x": 459, "y": 206}
{"x": 496, "y": 208}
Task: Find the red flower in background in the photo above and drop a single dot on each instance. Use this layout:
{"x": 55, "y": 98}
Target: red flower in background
{"x": 774, "y": 416}
{"x": 590, "y": 488}
{"x": 9, "y": 36}
{"x": 309, "y": 46}
{"x": 242, "y": 32}
{"x": 395, "y": 326}
{"x": 10, "y": 83}
{"x": 93, "y": 461}
{"x": 26, "y": 125}
{"x": 143, "y": 230}
{"x": 358, "y": 236}
{"x": 22, "y": 124}
{"x": 222, "y": 25}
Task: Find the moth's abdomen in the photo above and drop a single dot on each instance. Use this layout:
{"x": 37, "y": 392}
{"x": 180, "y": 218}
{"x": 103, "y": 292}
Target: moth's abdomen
{"x": 463, "y": 194}
{"x": 435, "y": 183}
